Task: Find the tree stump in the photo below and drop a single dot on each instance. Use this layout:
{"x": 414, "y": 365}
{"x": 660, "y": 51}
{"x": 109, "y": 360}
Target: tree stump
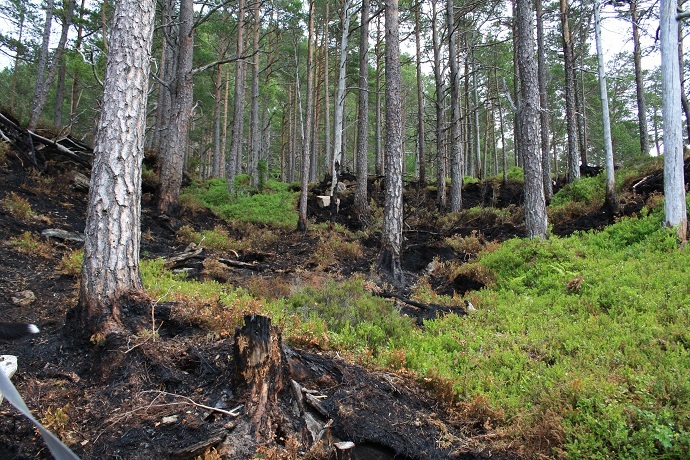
{"x": 261, "y": 369}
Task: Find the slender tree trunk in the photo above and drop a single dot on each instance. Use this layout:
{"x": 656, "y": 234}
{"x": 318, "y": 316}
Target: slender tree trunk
{"x": 516, "y": 93}
{"x": 232, "y": 167}
{"x": 177, "y": 136}
{"x": 18, "y": 55}
{"x": 535, "y": 205}
{"x": 255, "y": 140}
{"x": 224, "y": 129}
{"x": 571, "y": 122}
{"x": 391, "y": 239}
{"x": 656, "y": 131}
{"x": 74, "y": 100}
{"x": 685, "y": 104}
{"x": 327, "y": 96}
{"x": 581, "y": 116}
{"x": 455, "y": 141}
{"x": 60, "y": 92}
{"x": 543, "y": 105}
{"x": 361, "y": 201}
{"x": 611, "y": 200}
{"x": 112, "y": 234}
{"x": 440, "y": 91}
{"x": 168, "y": 69}
{"x": 380, "y": 155}
{"x": 675, "y": 211}
{"x": 421, "y": 156}
{"x": 639, "y": 81}
{"x": 306, "y": 154}
{"x": 339, "y": 113}
{"x": 477, "y": 138}
{"x": 218, "y": 157}
{"x": 46, "y": 71}
{"x": 42, "y": 63}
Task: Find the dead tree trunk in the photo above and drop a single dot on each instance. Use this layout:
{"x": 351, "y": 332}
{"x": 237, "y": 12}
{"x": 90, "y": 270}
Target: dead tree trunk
{"x": 260, "y": 368}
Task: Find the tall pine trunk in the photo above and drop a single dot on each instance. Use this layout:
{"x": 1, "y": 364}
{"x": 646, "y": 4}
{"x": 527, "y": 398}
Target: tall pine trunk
{"x": 309, "y": 109}
{"x": 254, "y": 116}
{"x": 611, "y": 201}
{"x": 455, "y": 141}
{"x": 232, "y": 167}
{"x": 639, "y": 81}
{"x": 110, "y": 270}
{"x": 675, "y": 210}
{"x": 391, "y": 239}
{"x": 441, "y": 160}
{"x": 543, "y": 105}
{"x": 47, "y": 70}
{"x": 421, "y": 156}
{"x": 177, "y": 138}
{"x": 571, "y": 122}
{"x": 339, "y": 112}
{"x": 361, "y": 204}
{"x": 535, "y": 206}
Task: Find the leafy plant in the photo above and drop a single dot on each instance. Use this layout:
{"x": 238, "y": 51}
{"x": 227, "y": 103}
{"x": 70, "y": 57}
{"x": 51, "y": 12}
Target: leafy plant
{"x": 32, "y": 245}
{"x": 71, "y": 262}
{"x": 17, "y": 207}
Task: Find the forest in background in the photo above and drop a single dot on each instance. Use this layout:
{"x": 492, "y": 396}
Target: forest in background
{"x": 256, "y": 86}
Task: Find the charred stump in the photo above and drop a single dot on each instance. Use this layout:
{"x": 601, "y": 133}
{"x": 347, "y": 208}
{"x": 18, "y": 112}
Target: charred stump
{"x": 261, "y": 371}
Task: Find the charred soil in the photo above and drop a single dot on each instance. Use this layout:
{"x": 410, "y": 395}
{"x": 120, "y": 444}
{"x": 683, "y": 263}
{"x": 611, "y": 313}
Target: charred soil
{"x": 172, "y": 395}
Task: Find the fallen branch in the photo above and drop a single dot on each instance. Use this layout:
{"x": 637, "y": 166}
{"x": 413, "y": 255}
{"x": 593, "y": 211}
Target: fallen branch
{"x": 239, "y": 264}
{"x": 232, "y": 412}
{"x": 423, "y": 306}
{"x": 60, "y": 148}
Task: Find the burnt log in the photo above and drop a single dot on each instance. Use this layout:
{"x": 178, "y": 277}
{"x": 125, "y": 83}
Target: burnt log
{"x": 261, "y": 371}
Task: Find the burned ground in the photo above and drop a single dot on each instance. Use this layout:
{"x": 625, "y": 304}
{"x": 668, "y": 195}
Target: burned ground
{"x": 144, "y": 398}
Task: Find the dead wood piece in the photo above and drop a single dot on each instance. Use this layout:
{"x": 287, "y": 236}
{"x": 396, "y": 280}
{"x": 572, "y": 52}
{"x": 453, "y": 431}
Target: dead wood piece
{"x": 200, "y": 447}
{"x": 61, "y": 234}
{"x": 343, "y": 450}
{"x": 80, "y": 182}
{"x": 260, "y": 368}
{"x": 430, "y": 307}
{"x": 190, "y": 252}
{"x": 316, "y": 404}
{"x": 239, "y": 264}
{"x": 60, "y": 148}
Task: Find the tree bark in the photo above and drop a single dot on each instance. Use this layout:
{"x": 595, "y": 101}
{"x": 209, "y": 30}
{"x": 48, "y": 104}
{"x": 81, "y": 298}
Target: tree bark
{"x": 611, "y": 200}
{"x": 327, "y": 96}
{"x": 639, "y": 81}
{"x": 339, "y": 112}
{"x": 543, "y": 106}
{"x": 218, "y": 154}
{"x": 685, "y": 104}
{"x": 421, "y": 156}
{"x": 254, "y": 138}
{"x": 380, "y": 155}
{"x": 74, "y": 99}
{"x": 261, "y": 369}
{"x": 455, "y": 141}
{"x": 675, "y": 211}
{"x": 306, "y": 152}
{"x": 535, "y": 205}
{"x": 361, "y": 205}
{"x": 112, "y": 234}
{"x": 391, "y": 239}
{"x": 571, "y": 122}
{"x": 44, "y": 78}
{"x": 232, "y": 167}
{"x": 182, "y": 92}
{"x": 441, "y": 172}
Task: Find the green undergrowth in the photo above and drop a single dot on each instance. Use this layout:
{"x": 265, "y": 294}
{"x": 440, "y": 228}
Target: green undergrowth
{"x": 579, "y": 347}
{"x": 591, "y": 329}
{"x": 275, "y": 206}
